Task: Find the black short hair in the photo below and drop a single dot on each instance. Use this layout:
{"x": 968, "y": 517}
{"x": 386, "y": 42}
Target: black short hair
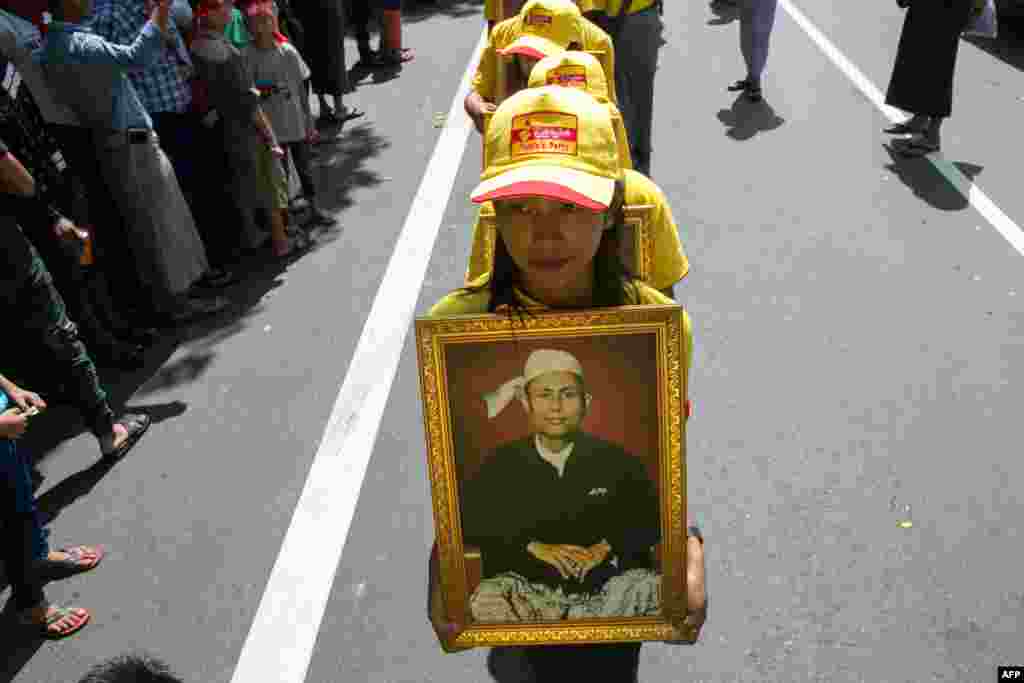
{"x": 57, "y": 9}
{"x": 131, "y": 668}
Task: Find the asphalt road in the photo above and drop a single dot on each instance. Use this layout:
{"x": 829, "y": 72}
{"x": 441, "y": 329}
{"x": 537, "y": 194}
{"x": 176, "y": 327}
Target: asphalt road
{"x": 858, "y": 331}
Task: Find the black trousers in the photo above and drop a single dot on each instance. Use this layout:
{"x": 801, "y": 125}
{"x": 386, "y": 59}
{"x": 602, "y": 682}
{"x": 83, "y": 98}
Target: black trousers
{"x": 31, "y": 299}
{"x": 19, "y": 529}
{"x": 200, "y": 164}
{"x": 300, "y": 152}
{"x": 105, "y": 222}
{"x": 359, "y": 14}
{"x": 618, "y": 663}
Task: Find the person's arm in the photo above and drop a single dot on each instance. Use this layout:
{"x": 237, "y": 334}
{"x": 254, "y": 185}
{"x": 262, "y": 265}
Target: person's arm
{"x": 14, "y": 179}
{"x": 144, "y": 50}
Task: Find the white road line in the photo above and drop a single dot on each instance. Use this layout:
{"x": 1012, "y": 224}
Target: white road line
{"x": 978, "y": 199}
{"x": 280, "y": 643}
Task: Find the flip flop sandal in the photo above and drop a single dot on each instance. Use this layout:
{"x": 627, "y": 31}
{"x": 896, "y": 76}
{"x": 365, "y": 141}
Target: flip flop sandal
{"x": 397, "y": 57}
{"x": 918, "y": 147}
{"x": 76, "y": 562}
{"x": 903, "y": 129}
{"x": 136, "y": 426}
{"x": 349, "y": 114}
{"x": 77, "y": 616}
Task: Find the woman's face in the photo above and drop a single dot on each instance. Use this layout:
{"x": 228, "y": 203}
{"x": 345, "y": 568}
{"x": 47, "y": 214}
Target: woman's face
{"x": 553, "y": 244}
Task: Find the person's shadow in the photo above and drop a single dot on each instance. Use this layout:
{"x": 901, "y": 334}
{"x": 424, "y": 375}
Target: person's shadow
{"x": 745, "y": 119}
{"x": 725, "y": 13}
{"x": 941, "y": 183}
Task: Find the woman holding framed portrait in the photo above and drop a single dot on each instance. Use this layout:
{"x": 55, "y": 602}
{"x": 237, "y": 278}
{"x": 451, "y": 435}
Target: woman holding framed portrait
{"x": 553, "y": 174}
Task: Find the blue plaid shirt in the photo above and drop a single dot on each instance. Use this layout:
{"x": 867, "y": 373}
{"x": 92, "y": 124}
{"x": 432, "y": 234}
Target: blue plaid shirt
{"x": 162, "y": 87}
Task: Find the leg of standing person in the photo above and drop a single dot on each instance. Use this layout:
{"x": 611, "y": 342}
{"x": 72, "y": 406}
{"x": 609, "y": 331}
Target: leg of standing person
{"x": 44, "y": 320}
{"x": 618, "y": 663}
{"x": 922, "y": 76}
{"x": 106, "y": 225}
{"x": 179, "y": 134}
{"x": 392, "y": 52}
{"x": 636, "y": 62}
{"x": 301, "y": 154}
{"x": 20, "y": 539}
{"x": 757, "y": 17}
{"x": 359, "y": 13}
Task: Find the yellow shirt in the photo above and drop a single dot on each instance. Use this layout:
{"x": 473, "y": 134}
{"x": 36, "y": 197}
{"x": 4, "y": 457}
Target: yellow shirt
{"x": 493, "y": 7}
{"x": 504, "y": 34}
{"x": 613, "y": 7}
{"x": 461, "y": 302}
{"x": 669, "y": 265}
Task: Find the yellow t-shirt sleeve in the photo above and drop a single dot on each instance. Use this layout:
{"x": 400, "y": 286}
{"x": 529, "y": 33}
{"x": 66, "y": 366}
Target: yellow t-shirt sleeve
{"x": 670, "y": 262}
{"x": 648, "y": 296}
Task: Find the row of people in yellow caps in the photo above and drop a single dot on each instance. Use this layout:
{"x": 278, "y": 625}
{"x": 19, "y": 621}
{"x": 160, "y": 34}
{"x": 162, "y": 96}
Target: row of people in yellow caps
{"x": 542, "y": 58}
{"x": 553, "y": 174}
{"x": 632, "y": 27}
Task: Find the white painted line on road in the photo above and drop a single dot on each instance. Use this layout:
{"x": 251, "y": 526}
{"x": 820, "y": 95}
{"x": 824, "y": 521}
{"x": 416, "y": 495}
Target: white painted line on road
{"x": 971, "y": 192}
{"x": 280, "y": 643}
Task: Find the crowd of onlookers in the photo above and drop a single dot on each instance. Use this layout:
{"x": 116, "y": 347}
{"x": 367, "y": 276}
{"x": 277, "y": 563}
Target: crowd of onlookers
{"x": 146, "y": 153}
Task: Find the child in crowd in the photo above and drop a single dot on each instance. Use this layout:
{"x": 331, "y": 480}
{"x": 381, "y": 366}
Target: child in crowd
{"x": 26, "y": 555}
{"x": 283, "y": 77}
{"x": 249, "y": 137}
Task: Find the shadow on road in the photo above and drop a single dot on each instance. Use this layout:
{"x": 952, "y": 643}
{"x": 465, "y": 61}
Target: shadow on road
{"x": 745, "y": 119}
{"x": 339, "y": 168}
{"x": 928, "y": 182}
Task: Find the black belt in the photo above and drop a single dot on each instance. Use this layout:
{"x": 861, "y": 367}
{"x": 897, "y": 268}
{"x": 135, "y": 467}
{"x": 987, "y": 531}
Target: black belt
{"x": 131, "y": 136}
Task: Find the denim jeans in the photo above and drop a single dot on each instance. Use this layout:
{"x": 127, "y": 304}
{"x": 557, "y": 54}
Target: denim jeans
{"x": 24, "y": 540}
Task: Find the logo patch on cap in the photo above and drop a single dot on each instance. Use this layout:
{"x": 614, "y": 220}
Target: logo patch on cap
{"x": 539, "y": 19}
{"x": 544, "y": 133}
{"x": 568, "y": 76}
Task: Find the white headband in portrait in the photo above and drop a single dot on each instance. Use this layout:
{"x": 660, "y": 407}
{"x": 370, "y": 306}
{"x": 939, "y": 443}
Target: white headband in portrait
{"x": 539, "y": 363}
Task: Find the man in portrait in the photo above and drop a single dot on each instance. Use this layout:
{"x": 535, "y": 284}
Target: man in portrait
{"x": 565, "y": 521}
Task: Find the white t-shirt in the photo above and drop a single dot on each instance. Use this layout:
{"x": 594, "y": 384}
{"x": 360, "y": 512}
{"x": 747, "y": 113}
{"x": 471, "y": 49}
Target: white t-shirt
{"x": 282, "y": 66}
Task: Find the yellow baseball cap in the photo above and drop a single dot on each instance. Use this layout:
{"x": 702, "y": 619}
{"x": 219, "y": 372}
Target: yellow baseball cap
{"x": 551, "y": 142}
{"x": 546, "y": 28}
{"x": 572, "y": 69}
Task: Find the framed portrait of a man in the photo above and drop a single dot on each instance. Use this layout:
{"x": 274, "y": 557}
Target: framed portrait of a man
{"x": 556, "y": 452}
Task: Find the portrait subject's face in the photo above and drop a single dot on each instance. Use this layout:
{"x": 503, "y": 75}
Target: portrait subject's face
{"x": 556, "y": 405}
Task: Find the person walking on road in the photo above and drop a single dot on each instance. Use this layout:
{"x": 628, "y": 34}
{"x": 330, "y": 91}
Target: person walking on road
{"x": 757, "y": 17}
{"x": 635, "y": 27}
{"x": 544, "y": 199}
{"x": 922, "y": 76}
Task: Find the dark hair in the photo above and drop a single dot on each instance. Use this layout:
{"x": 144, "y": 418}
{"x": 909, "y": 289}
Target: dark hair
{"x": 57, "y": 9}
{"x": 611, "y": 276}
{"x": 131, "y": 668}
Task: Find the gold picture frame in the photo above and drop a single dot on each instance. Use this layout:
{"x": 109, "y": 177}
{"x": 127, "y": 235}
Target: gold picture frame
{"x": 637, "y": 247}
{"x": 445, "y": 343}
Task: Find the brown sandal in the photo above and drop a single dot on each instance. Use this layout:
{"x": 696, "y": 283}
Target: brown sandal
{"x": 60, "y": 622}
